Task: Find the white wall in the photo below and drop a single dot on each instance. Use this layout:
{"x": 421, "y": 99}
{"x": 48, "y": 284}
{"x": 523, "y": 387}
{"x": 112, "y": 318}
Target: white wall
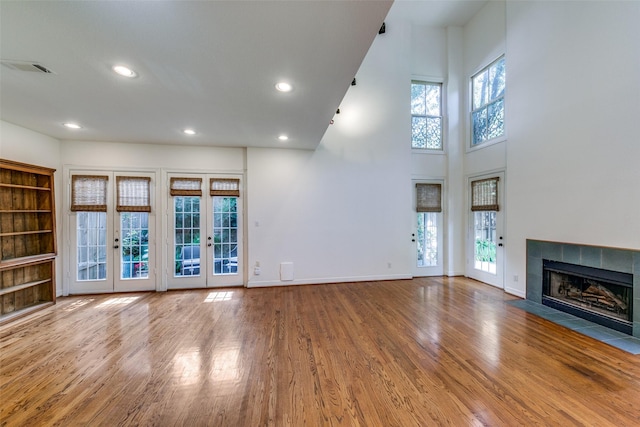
{"x": 26, "y": 146}
{"x": 574, "y": 102}
{"x": 342, "y": 212}
{"x": 151, "y": 156}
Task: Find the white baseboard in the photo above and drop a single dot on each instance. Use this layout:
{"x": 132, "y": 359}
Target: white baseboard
{"x": 454, "y": 273}
{"x": 517, "y": 292}
{"x": 325, "y": 280}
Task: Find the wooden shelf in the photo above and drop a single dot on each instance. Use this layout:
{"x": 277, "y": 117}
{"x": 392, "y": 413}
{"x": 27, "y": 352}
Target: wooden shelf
{"x": 27, "y": 239}
{"x": 23, "y": 286}
{"x": 7, "y": 211}
{"x": 27, "y": 260}
{"x": 19, "y": 233}
{"x": 24, "y": 187}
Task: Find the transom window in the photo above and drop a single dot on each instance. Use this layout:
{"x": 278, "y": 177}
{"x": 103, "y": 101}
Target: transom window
{"x": 487, "y": 110}
{"x": 426, "y": 115}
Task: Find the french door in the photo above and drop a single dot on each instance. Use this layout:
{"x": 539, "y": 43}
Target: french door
{"x": 111, "y": 229}
{"x": 427, "y": 237}
{"x": 205, "y": 231}
{"x": 486, "y": 230}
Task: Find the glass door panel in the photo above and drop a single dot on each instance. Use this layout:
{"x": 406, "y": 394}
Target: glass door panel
{"x": 186, "y": 247}
{"x": 485, "y": 241}
{"x": 187, "y": 267}
{"x": 225, "y": 235}
{"x": 427, "y": 240}
{"x": 91, "y": 246}
{"x": 134, "y": 247}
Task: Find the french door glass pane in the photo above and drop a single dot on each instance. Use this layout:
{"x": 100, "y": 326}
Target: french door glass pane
{"x": 134, "y": 252}
{"x": 427, "y": 239}
{"x": 225, "y": 235}
{"x": 91, "y": 245}
{"x": 186, "y": 214}
{"x": 485, "y": 241}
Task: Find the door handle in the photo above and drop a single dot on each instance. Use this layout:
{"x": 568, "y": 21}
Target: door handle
{"x": 208, "y": 244}
{"x": 500, "y": 244}
{"x": 116, "y": 247}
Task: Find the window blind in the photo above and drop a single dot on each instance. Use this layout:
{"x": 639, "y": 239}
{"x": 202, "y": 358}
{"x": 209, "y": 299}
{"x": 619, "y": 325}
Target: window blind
{"x": 134, "y": 194}
{"x": 185, "y": 187}
{"x": 89, "y": 193}
{"x": 224, "y": 187}
{"x": 484, "y": 195}
{"x": 428, "y": 197}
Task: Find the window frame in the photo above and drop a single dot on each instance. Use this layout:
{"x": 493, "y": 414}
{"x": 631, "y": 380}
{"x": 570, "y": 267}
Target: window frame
{"x": 500, "y": 138}
{"x": 430, "y": 82}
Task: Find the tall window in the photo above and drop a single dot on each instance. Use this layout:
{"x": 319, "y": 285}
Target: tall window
{"x": 487, "y": 110}
{"x": 426, "y": 115}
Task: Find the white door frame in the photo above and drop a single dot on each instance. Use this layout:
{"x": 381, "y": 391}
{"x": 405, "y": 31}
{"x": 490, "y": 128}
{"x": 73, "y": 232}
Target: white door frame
{"x": 111, "y": 284}
{"x": 439, "y": 269}
{"x": 496, "y": 279}
{"x": 206, "y": 278}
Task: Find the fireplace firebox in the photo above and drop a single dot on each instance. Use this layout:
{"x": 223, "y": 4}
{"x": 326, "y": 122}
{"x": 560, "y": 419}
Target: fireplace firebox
{"x": 600, "y": 296}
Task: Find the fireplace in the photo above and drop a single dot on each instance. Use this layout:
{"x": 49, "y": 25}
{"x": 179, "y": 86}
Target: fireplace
{"x": 598, "y": 295}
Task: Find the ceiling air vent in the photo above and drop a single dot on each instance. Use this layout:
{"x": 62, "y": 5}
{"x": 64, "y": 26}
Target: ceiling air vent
{"x": 26, "y": 66}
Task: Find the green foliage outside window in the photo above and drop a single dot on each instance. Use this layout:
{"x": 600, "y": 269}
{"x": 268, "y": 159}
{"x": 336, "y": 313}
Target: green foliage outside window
{"x": 485, "y": 251}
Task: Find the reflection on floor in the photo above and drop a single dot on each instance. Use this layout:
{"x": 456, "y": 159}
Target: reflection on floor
{"x": 609, "y": 336}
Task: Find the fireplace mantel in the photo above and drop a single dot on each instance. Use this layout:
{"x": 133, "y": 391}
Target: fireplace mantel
{"x": 613, "y": 259}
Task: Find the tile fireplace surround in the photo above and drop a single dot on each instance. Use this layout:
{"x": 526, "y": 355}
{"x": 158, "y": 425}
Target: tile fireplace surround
{"x": 614, "y": 259}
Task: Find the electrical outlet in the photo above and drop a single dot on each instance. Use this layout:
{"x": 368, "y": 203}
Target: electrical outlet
{"x": 515, "y": 277}
{"x": 388, "y": 265}
{"x": 256, "y": 271}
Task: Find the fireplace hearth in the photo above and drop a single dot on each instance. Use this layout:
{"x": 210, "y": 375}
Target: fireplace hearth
{"x": 592, "y": 307}
{"x": 598, "y": 295}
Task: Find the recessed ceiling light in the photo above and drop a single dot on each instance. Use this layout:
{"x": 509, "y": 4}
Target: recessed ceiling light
{"x": 284, "y": 87}
{"x": 283, "y": 137}
{"x": 124, "y": 71}
{"x": 189, "y": 132}
{"x": 72, "y": 126}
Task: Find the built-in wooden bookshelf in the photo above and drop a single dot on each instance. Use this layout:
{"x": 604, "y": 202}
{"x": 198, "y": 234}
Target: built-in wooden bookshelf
{"x": 27, "y": 239}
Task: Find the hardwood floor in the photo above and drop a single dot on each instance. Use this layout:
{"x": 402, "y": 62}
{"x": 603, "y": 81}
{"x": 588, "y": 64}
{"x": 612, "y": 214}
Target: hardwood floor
{"x": 422, "y": 352}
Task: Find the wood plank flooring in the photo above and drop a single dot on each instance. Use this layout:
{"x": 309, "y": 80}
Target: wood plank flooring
{"x": 422, "y": 352}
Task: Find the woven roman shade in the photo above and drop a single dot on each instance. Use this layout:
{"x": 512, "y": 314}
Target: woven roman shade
{"x": 134, "y": 194}
{"x": 185, "y": 187}
{"x": 428, "y": 197}
{"x": 224, "y": 187}
{"x": 89, "y": 193}
{"x": 484, "y": 195}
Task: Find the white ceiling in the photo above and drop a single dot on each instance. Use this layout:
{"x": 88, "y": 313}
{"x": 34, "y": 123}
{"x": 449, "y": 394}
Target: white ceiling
{"x": 209, "y": 65}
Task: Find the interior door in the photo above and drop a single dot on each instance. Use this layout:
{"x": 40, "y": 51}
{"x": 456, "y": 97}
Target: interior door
{"x": 427, "y": 237}
{"x": 205, "y": 245}
{"x": 112, "y": 243}
{"x": 485, "y": 254}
